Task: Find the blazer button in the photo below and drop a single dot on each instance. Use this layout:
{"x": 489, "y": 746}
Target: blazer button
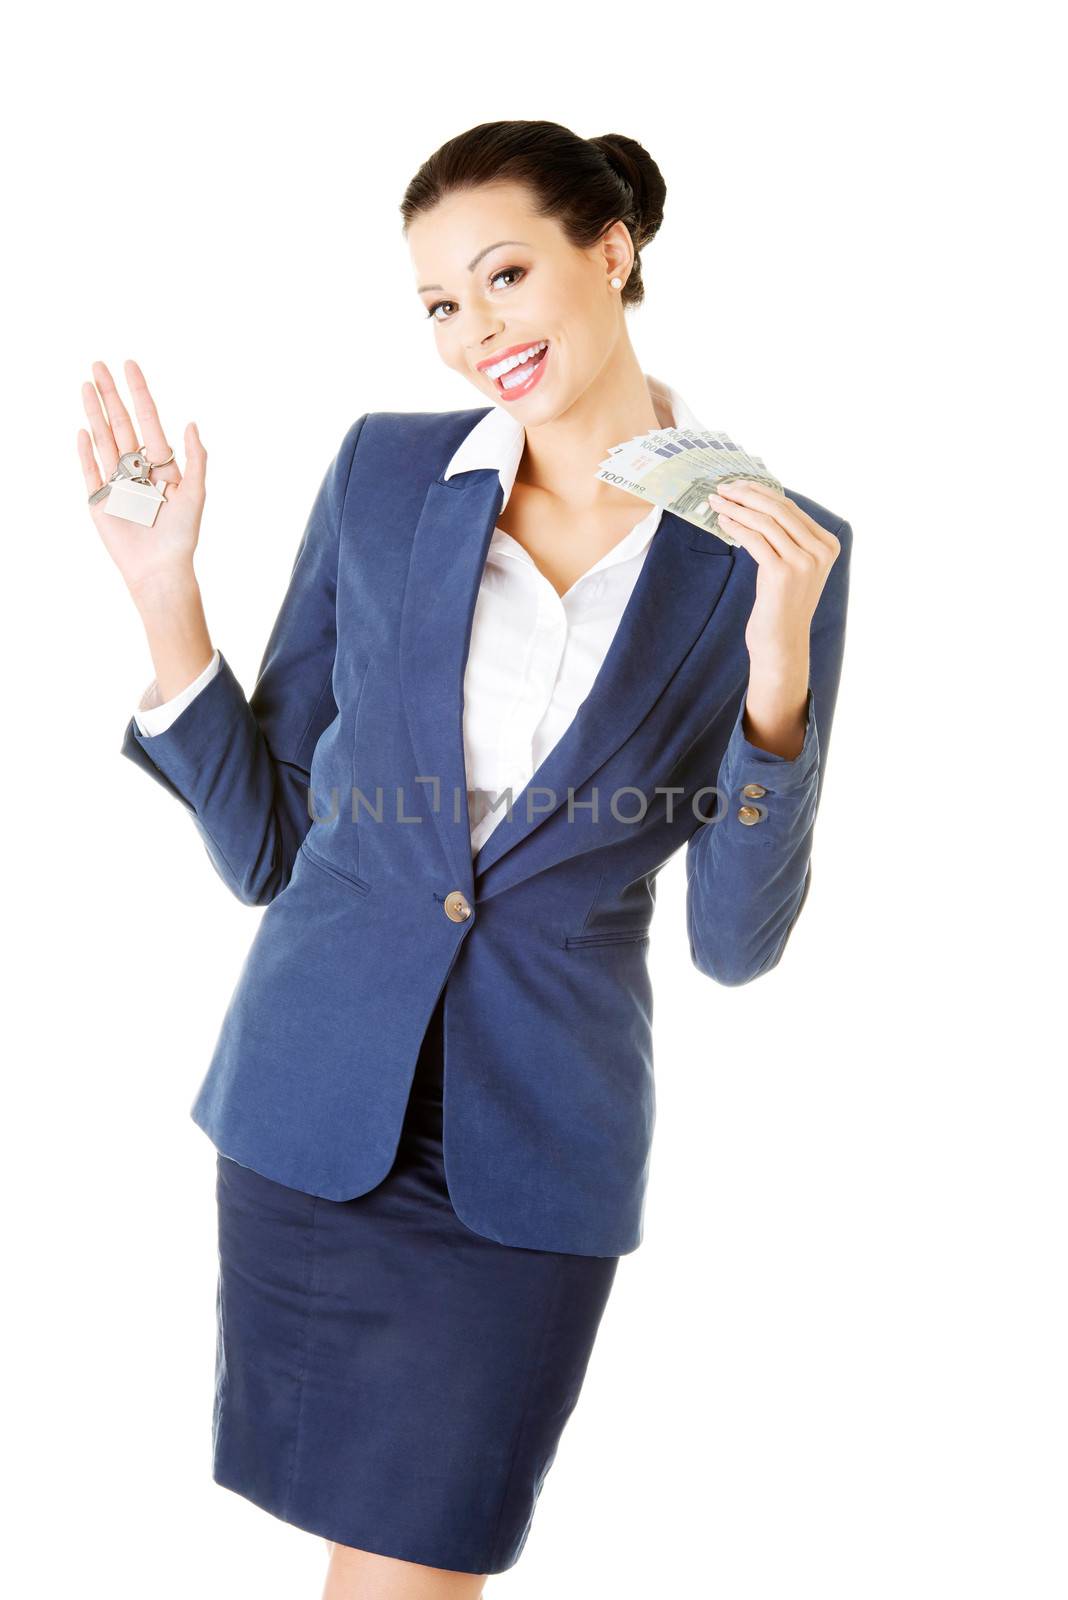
{"x": 456, "y": 907}
{"x": 749, "y": 815}
{"x": 753, "y": 791}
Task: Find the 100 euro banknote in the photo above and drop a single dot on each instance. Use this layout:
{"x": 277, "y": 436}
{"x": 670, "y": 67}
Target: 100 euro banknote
{"x": 678, "y": 469}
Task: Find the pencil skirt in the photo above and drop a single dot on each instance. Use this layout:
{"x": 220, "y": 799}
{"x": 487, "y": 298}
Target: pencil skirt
{"x": 386, "y": 1377}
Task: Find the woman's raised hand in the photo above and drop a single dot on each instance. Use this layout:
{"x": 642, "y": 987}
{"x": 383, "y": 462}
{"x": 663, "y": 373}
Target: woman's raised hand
{"x": 148, "y": 557}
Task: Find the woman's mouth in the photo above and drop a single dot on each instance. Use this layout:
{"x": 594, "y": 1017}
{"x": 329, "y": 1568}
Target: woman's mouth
{"x": 522, "y": 377}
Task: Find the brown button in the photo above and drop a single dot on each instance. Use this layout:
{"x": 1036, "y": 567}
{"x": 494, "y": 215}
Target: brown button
{"x": 456, "y": 907}
{"x": 753, "y": 791}
{"x": 749, "y": 815}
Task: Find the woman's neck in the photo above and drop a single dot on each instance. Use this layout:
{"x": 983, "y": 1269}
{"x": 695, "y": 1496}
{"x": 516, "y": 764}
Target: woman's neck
{"x": 561, "y": 457}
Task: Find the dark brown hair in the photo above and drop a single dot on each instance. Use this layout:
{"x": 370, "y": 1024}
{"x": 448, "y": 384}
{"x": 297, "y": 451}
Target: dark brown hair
{"x": 584, "y": 184}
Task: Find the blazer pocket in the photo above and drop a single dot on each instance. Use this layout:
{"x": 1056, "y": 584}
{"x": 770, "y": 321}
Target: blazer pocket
{"x": 362, "y": 674}
{"x": 359, "y": 723}
{"x": 578, "y": 941}
{"x": 349, "y": 879}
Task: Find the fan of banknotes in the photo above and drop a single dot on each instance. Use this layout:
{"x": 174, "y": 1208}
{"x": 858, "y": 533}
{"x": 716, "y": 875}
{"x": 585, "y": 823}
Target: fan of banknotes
{"x": 678, "y": 469}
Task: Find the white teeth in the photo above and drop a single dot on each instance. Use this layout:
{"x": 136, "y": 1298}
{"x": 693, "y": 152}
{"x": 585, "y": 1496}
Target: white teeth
{"x": 512, "y": 380}
{"x": 514, "y": 361}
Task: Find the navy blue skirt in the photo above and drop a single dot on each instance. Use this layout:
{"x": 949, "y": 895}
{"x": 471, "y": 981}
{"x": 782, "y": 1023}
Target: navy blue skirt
{"x": 386, "y": 1377}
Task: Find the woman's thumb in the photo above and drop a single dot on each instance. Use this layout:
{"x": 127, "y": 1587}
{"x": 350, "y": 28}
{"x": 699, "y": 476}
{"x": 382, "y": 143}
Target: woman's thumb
{"x": 196, "y": 457}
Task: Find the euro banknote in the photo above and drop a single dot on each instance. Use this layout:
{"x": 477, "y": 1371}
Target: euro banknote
{"x": 678, "y": 469}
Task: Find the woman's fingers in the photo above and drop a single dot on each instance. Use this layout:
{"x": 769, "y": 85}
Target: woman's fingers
{"x": 122, "y": 429}
{"x": 152, "y": 436}
{"x": 90, "y": 469}
{"x": 106, "y": 447}
{"x": 749, "y": 538}
{"x": 196, "y": 460}
{"x": 114, "y": 433}
{"x": 771, "y": 512}
{"x": 778, "y": 519}
{"x": 758, "y": 507}
{"x": 758, "y": 547}
{"x": 756, "y": 531}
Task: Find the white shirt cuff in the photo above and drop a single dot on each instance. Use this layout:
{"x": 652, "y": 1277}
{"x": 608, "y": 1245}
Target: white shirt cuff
{"x": 154, "y": 715}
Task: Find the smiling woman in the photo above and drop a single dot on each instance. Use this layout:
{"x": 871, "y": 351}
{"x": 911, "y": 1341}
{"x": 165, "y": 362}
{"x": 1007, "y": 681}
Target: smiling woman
{"x": 432, "y": 1094}
{"x": 572, "y": 200}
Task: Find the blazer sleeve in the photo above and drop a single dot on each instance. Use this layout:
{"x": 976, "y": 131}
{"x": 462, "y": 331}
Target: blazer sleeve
{"x": 242, "y": 766}
{"x": 747, "y": 883}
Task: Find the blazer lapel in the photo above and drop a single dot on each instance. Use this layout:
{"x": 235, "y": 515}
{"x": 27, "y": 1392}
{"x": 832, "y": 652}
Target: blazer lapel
{"x": 682, "y": 578}
{"x": 449, "y": 551}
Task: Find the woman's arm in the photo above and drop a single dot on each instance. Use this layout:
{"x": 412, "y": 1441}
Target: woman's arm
{"x": 241, "y": 766}
{"x": 748, "y": 870}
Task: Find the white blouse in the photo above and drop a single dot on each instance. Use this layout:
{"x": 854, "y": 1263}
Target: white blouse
{"x": 534, "y": 653}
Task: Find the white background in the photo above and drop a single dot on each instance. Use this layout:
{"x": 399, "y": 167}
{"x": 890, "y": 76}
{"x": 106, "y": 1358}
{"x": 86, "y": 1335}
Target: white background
{"x": 835, "y": 1367}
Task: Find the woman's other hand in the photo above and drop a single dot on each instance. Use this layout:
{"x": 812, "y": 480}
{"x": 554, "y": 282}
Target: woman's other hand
{"x": 156, "y": 562}
{"x": 157, "y": 558}
{"x": 794, "y": 556}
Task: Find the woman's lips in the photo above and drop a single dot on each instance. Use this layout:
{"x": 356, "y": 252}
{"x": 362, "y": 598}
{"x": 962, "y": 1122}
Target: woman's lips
{"x": 519, "y": 390}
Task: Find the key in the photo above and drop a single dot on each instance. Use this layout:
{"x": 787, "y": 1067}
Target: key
{"x": 131, "y": 464}
{"x": 131, "y": 493}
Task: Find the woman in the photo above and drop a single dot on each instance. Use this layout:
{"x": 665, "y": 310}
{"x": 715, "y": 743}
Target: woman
{"x": 412, "y": 1275}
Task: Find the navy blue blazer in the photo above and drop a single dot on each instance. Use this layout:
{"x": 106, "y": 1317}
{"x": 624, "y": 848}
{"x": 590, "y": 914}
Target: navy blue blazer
{"x": 335, "y": 797}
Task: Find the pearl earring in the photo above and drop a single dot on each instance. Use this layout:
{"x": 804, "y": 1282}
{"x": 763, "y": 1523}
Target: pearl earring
{"x": 617, "y": 283}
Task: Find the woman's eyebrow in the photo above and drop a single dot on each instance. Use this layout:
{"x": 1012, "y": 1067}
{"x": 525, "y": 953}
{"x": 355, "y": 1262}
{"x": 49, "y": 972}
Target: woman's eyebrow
{"x": 471, "y": 265}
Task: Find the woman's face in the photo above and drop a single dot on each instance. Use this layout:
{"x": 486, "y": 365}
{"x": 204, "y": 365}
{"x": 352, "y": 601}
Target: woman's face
{"x": 495, "y": 279}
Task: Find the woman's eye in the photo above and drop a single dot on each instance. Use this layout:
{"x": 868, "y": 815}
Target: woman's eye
{"x": 504, "y": 272}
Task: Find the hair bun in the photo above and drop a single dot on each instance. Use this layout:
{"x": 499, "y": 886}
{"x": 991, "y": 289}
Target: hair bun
{"x": 633, "y": 163}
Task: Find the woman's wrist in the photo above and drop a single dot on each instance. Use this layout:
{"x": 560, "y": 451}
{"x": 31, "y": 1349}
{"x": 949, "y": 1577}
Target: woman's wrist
{"x": 172, "y": 612}
{"x": 776, "y": 705}
{"x": 163, "y": 592}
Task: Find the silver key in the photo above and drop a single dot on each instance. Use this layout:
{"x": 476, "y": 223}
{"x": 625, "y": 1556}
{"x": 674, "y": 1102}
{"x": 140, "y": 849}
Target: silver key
{"x": 131, "y": 464}
{"x": 130, "y": 490}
